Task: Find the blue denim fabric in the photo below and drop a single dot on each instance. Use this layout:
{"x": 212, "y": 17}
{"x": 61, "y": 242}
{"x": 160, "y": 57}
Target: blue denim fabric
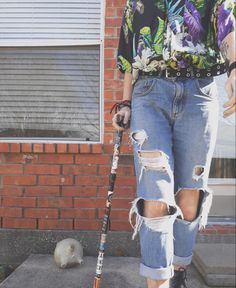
{"x": 177, "y": 118}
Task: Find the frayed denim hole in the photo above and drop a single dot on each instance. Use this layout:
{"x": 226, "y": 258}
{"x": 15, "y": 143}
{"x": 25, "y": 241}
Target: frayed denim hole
{"x": 198, "y": 172}
{"x": 158, "y": 161}
{"x": 162, "y": 224}
{"x": 204, "y": 206}
{"x": 138, "y": 137}
{"x": 199, "y": 204}
{"x": 138, "y": 218}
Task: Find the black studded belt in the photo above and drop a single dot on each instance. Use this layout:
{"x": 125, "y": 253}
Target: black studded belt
{"x": 187, "y": 72}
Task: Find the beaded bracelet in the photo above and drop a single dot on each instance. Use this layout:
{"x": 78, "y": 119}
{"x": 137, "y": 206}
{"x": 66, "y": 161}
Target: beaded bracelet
{"x": 118, "y": 105}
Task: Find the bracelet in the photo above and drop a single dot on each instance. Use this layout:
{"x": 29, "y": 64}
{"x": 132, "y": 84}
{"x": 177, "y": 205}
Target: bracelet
{"x": 232, "y": 66}
{"x": 118, "y": 105}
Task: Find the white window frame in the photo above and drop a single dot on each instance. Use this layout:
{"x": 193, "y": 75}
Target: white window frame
{"x": 63, "y": 43}
{"x": 223, "y": 186}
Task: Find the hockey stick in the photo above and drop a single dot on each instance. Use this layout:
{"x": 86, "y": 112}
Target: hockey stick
{"x": 105, "y": 224}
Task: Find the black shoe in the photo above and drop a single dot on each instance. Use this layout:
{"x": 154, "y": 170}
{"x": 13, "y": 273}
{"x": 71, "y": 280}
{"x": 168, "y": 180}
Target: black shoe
{"x": 179, "y": 280}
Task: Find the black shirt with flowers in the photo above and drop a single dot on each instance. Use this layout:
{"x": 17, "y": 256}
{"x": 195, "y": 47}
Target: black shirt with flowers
{"x": 156, "y": 34}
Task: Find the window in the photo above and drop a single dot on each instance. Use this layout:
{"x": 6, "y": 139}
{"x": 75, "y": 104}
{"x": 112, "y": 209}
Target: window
{"x": 50, "y": 70}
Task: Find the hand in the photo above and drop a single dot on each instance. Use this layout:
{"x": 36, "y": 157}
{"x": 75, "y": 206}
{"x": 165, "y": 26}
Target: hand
{"x": 230, "y": 88}
{"x": 121, "y": 120}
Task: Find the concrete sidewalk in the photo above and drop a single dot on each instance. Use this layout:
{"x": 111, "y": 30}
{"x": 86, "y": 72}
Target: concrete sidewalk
{"x": 216, "y": 263}
{"x": 40, "y": 271}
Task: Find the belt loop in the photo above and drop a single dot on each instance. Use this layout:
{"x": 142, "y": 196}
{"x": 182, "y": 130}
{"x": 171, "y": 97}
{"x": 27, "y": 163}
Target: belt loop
{"x": 162, "y": 72}
{"x": 167, "y": 72}
{"x": 192, "y": 72}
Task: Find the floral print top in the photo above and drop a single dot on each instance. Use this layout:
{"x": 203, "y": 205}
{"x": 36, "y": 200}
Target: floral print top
{"x": 156, "y": 34}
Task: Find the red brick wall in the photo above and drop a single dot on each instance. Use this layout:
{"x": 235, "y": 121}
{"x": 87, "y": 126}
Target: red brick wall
{"x": 64, "y": 186}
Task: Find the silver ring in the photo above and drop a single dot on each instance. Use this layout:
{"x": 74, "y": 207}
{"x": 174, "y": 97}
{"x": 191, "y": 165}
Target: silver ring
{"x": 208, "y": 74}
{"x": 198, "y": 75}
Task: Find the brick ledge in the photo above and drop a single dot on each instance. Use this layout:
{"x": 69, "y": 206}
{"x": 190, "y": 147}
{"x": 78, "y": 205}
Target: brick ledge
{"x": 219, "y": 229}
{"x": 51, "y": 148}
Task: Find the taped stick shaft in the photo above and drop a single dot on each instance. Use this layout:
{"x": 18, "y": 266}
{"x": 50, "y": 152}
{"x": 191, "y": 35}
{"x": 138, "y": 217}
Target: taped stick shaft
{"x": 105, "y": 224}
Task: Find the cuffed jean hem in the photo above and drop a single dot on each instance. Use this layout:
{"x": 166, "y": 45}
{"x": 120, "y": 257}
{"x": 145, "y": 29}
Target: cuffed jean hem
{"x": 182, "y": 260}
{"x": 157, "y": 273}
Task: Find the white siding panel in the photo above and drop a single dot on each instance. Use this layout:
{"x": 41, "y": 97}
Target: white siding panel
{"x": 50, "y": 92}
{"x": 38, "y": 20}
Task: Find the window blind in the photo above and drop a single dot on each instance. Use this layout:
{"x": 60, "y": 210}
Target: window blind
{"x": 50, "y": 92}
{"x": 45, "y": 21}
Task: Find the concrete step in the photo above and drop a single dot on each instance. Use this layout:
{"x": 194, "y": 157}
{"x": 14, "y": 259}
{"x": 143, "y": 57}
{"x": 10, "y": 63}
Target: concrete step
{"x": 40, "y": 271}
{"x": 216, "y": 263}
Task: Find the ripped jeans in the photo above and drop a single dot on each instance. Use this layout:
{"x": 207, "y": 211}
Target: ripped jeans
{"x": 173, "y": 131}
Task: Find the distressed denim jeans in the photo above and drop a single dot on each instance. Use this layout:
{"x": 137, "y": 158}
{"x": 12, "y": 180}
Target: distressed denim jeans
{"x": 176, "y": 122}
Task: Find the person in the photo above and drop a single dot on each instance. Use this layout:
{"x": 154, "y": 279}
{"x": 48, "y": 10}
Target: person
{"x": 169, "y": 52}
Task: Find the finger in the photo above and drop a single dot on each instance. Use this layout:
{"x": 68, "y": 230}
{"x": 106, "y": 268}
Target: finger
{"x": 117, "y": 118}
{"x": 126, "y": 118}
{"x": 229, "y": 111}
{"x": 230, "y": 102}
{"x": 117, "y": 127}
{"x": 120, "y": 120}
{"x": 115, "y": 122}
